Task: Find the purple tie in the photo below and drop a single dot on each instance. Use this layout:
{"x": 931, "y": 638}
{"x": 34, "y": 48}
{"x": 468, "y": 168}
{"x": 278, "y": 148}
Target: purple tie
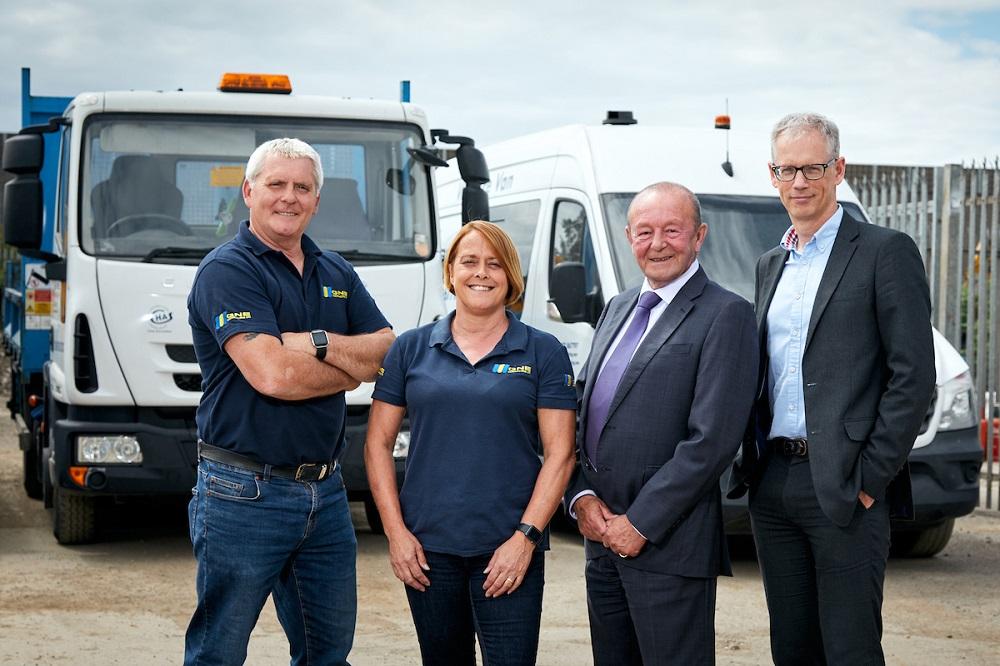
{"x": 607, "y": 381}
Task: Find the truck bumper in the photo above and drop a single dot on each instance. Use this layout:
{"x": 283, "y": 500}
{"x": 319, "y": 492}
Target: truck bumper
{"x": 169, "y": 459}
{"x": 945, "y": 477}
{"x": 944, "y": 474}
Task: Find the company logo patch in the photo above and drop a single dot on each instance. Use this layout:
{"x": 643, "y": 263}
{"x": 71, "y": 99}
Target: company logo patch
{"x": 381, "y": 372}
{"x": 330, "y": 292}
{"x": 570, "y": 381}
{"x": 505, "y": 369}
{"x": 227, "y": 317}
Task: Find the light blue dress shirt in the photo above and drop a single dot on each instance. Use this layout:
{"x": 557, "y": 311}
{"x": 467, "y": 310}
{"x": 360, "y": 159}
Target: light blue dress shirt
{"x": 788, "y": 323}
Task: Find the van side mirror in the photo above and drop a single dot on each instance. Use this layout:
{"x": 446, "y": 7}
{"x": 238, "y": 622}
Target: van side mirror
{"x": 23, "y": 155}
{"x": 566, "y": 289}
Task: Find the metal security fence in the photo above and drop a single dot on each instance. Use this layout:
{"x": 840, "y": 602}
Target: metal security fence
{"x": 953, "y": 214}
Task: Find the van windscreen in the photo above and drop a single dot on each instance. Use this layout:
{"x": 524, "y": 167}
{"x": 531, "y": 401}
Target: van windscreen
{"x": 740, "y": 229}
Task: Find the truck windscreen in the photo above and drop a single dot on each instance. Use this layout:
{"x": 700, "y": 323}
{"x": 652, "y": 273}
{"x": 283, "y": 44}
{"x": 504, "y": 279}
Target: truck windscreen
{"x": 169, "y": 188}
{"x": 740, "y": 229}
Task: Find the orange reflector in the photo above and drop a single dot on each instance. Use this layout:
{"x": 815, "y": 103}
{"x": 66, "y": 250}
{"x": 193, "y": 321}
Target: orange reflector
{"x": 33, "y": 400}
{"x": 722, "y": 122}
{"x": 255, "y": 83}
{"x": 79, "y": 475}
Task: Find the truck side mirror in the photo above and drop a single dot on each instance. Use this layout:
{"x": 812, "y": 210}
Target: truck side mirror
{"x": 475, "y": 173}
{"x": 472, "y": 165}
{"x": 566, "y": 289}
{"x": 23, "y": 155}
{"x": 475, "y": 204}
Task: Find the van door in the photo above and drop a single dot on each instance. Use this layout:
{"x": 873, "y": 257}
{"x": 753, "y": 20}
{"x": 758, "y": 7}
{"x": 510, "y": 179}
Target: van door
{"x": 564, "y": 234}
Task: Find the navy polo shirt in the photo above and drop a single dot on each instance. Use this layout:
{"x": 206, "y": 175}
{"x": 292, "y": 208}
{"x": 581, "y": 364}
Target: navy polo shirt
{"x": 243, "y": 286}
{"x": 474, "y": 445}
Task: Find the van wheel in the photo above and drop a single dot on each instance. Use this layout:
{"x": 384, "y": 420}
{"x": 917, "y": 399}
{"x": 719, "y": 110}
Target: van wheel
{"x": 373, "y": 517}
{"x": 74, "y": 517}
{"x": 922, "y": 543}
{"x": 32, "y": 482}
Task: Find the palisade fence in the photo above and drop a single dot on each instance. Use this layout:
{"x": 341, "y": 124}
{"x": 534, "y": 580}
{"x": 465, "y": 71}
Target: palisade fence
{"x": 953, "y": 214}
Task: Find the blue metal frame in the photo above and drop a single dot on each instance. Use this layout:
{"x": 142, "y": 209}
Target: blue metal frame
{"x": 31, "y": 347}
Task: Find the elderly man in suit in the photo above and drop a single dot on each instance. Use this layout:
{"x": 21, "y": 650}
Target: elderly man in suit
{"x": 665, "y": 397}
{"x": 847, "y": 374}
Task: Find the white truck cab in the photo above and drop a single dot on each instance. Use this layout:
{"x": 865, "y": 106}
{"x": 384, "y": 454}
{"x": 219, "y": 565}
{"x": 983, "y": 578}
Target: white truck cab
{"x": 147, "y": 184}
{"x": 562, "y": 195}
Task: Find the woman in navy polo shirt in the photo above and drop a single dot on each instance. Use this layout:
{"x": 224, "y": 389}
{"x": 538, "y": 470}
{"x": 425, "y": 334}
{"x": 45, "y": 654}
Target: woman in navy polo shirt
{"x": 485, "y": 395}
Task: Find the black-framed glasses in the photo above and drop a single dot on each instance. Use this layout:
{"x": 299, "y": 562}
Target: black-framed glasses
{"x": 787, "y": 173}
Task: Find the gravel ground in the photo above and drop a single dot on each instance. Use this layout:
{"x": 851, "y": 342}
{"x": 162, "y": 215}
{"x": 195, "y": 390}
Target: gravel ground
{"x": 127, "y": 600}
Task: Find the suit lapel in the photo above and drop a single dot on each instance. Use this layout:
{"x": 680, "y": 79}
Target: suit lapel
{"x": 664, "y": 327}
{"x": 843, "y": 249}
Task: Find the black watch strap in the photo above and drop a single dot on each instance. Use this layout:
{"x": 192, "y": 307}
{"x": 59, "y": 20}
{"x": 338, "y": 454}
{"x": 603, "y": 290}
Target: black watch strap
{"x": 533, "y": 533}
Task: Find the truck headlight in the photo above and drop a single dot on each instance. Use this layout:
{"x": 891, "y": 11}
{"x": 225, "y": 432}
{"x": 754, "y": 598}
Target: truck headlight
{"x": 402, "y": 446}
{"x": 958, "y": 404}
{"x": 108, "y": 449}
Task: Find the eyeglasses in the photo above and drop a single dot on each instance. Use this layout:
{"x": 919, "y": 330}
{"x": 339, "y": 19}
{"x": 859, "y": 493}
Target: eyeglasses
{"x": 810, "y": 171}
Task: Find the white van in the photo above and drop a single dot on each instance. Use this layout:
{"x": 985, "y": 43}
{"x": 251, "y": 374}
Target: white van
{"x": 562, "y": 195}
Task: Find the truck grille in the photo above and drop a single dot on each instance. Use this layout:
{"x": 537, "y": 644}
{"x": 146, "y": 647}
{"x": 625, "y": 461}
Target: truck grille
{"x": 182, "y": 353}
{"x": 188, "y": 382}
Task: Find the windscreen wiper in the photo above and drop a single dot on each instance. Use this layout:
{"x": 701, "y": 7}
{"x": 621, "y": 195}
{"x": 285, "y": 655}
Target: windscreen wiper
{"x": 176, "y": 253}
{"x": 358, "y": 255}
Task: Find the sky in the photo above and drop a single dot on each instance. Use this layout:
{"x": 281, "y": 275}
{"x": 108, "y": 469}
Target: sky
{"x": 908, "y": 82}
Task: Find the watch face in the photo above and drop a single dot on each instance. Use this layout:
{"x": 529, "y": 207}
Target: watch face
{"x": 319, "y": 338}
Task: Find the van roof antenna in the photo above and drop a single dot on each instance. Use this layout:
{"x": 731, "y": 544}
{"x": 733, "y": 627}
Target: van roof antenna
{"x": 723, "y": 123}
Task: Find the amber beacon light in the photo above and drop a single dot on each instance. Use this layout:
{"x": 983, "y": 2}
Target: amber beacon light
{"x": 278, "y": 84}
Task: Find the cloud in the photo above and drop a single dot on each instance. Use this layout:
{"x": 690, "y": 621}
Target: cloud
{"x": 903, "y": 90}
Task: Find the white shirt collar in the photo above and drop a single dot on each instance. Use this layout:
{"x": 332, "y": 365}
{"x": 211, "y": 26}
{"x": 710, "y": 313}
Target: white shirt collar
{"x": 668, "y": 291}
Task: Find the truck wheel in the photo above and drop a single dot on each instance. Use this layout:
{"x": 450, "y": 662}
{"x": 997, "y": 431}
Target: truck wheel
{"x": 922, "y": 543}
{"x": 32, "y": 482}
{"x": 74, "y": 517}
{"x": 374, "y": 519}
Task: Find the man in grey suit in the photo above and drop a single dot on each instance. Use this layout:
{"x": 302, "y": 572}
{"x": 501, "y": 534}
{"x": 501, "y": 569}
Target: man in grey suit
{"x": 665, "y": 397}
{"x": 847, "y": 374}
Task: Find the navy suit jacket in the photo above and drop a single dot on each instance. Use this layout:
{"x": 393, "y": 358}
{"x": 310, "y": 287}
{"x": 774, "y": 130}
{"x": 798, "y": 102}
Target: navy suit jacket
{"x": 674, "y": 425}
{"x": 867, "y": 370}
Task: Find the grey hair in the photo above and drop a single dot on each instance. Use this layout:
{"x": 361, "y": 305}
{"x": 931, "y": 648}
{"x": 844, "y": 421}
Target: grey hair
{"x": 796, "y": 123}
{"x": 666, "y": 187}
{"x": 289, "y": 148}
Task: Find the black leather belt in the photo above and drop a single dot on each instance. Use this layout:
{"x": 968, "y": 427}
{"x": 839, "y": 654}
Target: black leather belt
{"x": 790, "y": 446}
{"x": 304, "y": 472}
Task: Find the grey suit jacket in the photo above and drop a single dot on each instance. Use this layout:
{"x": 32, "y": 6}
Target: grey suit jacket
{"x": 674, "y": 425}
{"x": 867, "y": 370}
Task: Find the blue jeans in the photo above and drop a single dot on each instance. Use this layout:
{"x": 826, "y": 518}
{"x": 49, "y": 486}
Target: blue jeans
{"x": 454, "y": 609}
{"x": 256, "y": 535}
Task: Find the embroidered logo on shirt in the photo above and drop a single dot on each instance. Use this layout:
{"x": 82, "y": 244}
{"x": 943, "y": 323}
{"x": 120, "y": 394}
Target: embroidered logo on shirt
{"x": 330, "y": 292}
{"x": 570, "y": 381}
{"x": 227, "y": 317}
{"x": 381, "y": 372}
{"x": 505, "y": 369}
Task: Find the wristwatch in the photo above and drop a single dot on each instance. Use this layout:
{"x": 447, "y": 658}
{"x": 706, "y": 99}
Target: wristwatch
{"x": 320, "y": 341}
{"x": 533, "y": 533}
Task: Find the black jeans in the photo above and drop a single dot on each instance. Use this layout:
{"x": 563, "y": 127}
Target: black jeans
{"x": 823, "y": 582}
{"x": 453, "y": 610}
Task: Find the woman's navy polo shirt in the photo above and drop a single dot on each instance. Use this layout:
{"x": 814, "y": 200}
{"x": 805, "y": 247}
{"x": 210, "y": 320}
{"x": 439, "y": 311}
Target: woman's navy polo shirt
{"x": 243, "y": 286}
{"x": 474, "y": 445}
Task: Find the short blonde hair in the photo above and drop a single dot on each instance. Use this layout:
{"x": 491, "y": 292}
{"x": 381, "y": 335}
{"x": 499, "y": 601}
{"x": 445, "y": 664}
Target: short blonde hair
{"x": 506, "y": 253}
